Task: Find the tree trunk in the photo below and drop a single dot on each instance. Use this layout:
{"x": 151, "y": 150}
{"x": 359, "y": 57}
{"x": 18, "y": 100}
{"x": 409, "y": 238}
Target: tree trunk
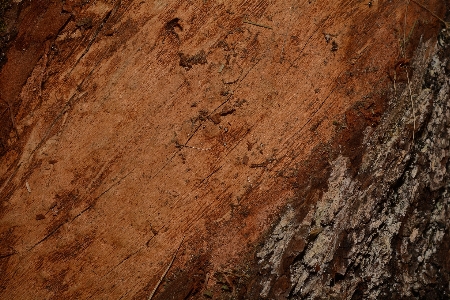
{"x": 224, "y": 150}
{"x": 382, "y": 232}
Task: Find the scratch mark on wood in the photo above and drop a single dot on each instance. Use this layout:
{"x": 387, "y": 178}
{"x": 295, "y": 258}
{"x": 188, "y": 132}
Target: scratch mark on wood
{"x": 167, "y": 270}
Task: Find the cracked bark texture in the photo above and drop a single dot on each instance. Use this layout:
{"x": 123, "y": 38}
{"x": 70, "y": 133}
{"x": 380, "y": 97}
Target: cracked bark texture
{"x": 382, "y": 233}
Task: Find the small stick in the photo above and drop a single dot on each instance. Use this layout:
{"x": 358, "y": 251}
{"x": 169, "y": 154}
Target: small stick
{"x": 257, "y": 24}
{"x": 167, "y": 270}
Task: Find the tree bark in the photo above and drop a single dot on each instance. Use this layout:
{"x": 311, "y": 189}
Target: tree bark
{"x": 382, "y": 233}
{"x": 225, "y": 149}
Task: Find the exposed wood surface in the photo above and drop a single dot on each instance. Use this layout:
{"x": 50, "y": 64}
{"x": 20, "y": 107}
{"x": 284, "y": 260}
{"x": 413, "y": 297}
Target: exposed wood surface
{"x": 128, "y": 125}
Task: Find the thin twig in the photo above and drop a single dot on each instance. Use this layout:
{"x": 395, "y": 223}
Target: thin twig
{"x": 257, "y": 24}
{"x": 167, "y": 270}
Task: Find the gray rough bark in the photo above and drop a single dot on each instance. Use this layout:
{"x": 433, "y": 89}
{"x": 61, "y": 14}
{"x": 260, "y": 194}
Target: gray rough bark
{"x": 384, "y": 232}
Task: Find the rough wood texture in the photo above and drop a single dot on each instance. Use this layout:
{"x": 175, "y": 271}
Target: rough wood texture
{"x": 280, "y": 138}
{"x": 384, "y": 232}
